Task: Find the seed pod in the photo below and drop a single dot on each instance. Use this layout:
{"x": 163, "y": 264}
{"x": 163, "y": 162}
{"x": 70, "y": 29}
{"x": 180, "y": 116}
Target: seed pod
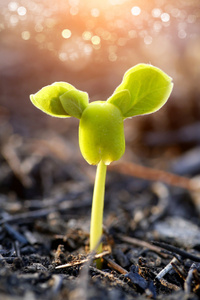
{"x": 101, "y": 133}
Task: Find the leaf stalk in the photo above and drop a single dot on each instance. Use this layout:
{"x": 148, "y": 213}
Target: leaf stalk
{"x": 96, "y": 226}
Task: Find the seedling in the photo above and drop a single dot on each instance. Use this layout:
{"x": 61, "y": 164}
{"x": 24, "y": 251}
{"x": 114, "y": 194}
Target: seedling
{"x": 144, "y": 90}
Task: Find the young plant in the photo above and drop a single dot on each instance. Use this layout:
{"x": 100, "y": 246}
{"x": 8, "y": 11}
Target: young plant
{"x": 144, "y": 90}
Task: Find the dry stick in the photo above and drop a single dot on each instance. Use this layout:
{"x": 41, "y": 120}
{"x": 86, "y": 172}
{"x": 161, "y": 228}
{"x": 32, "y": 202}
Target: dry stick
{"x": 138, "y": 242}
{"x": 82, "y": 261}
{"x": 188, "y": 281}
{"x": 182, "y": 253}
{"x": 169, "y": 285}
{"x": 139, "y": 171}
{"x": 28, "y": 215}
{"x": 15, "y": 234}
{"x": 118, "y": 268}
{"x": 166, "y": 269}
{"x": 163, "y": 272}
{"x": 40, "y": 213}
{"x": 115, "y": 266}
{"x": 13, "y": 161}
{"x": 190, "y": 277}
{"x": 180, "y": 272}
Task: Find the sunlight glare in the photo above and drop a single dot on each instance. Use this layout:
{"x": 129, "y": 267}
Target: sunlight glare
{"x": 135, "y": 10}
{"x": 165, "y": 17}
{"x": 21, "y": 11}
{"x": 95, "y": 40}
{"x": 66, "y": 33}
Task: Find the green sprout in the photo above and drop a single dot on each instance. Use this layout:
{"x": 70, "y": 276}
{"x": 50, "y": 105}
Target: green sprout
{"x": 144, "y": 90}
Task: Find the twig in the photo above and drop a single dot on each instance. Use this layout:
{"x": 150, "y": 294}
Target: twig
{"x": 189, "y": 279}
{"x": 138, "y": 242}
{"x": 115, "y": 266}
{"x": 15, "y": 234}
{"x": 182, "y": 253}
{"x": 40, "y": 213}
{"x": 169, "y": 285}
{"x": 180, "y": 272}
{"x": 14, "y": 162}
{"x": 147, "y": 173}
{"x": 28, "y": 215}
{"x": 82, "y": 261}
{"x": 17, "y": 248}
{"x": 166, "y": 270}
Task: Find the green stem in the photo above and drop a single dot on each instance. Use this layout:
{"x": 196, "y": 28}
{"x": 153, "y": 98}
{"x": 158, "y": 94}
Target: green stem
{"x": 96, "y": 226}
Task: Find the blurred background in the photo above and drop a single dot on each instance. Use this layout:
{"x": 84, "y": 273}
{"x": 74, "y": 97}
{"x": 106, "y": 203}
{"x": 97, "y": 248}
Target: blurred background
{"x": 90, "y": 44}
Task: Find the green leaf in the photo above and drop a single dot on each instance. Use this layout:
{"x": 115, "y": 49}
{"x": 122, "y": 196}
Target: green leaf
{"x": 149, "y": 88}
{"x": 122, "y": 100}
{"x": 74, "y": 102}
{"x": 48, "y": 99}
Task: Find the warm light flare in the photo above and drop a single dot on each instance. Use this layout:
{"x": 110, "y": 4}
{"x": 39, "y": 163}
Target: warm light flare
{"x": 107, "y": 28}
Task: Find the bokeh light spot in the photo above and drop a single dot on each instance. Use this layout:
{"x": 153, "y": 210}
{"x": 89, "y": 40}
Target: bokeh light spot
{"x": 74, "y": 10}
{"x": 63, "y": 56}
{"x": 38, "y": 27}
{"x": 182, "y": 34}
{"x": 106, "y": 35}
{"x": 148, "y": 40}
{"x": 112, "y": 56}
{"x": 25, "y": 35}
{"x": 14, "y": 20}
{"x": 75, "y": 53}
{"x": 50, "y": 46}
{"x": 157, "y": 26}
{"x": 191, "y": 19}
{"x": 132, "y": 34}
{"x": 2, "y": 27}
{"x": 12, "y": 6}
{"x": 175, "y": 12}
{"x": 66, "y": 33}
{"x": 121, "y": 42}
{"x": 50, "y": 22}
{"x": 21, "y": 11}
{"x": 40, "y": 38}
{"x": 95, "y": 40}
{"x": 135, "y": 10}
{"x": 165, "y": 17}
{"x": 86, "y": 35}
{"x": 156, "y": 12}
{"x": 95, "y": 12}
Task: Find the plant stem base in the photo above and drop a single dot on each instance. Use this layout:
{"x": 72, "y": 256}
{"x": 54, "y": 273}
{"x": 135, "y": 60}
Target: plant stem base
{"x": 96, "y": 227}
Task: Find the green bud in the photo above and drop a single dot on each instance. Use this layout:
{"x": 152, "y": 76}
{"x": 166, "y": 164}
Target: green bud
{"x": 101, "y": 133}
